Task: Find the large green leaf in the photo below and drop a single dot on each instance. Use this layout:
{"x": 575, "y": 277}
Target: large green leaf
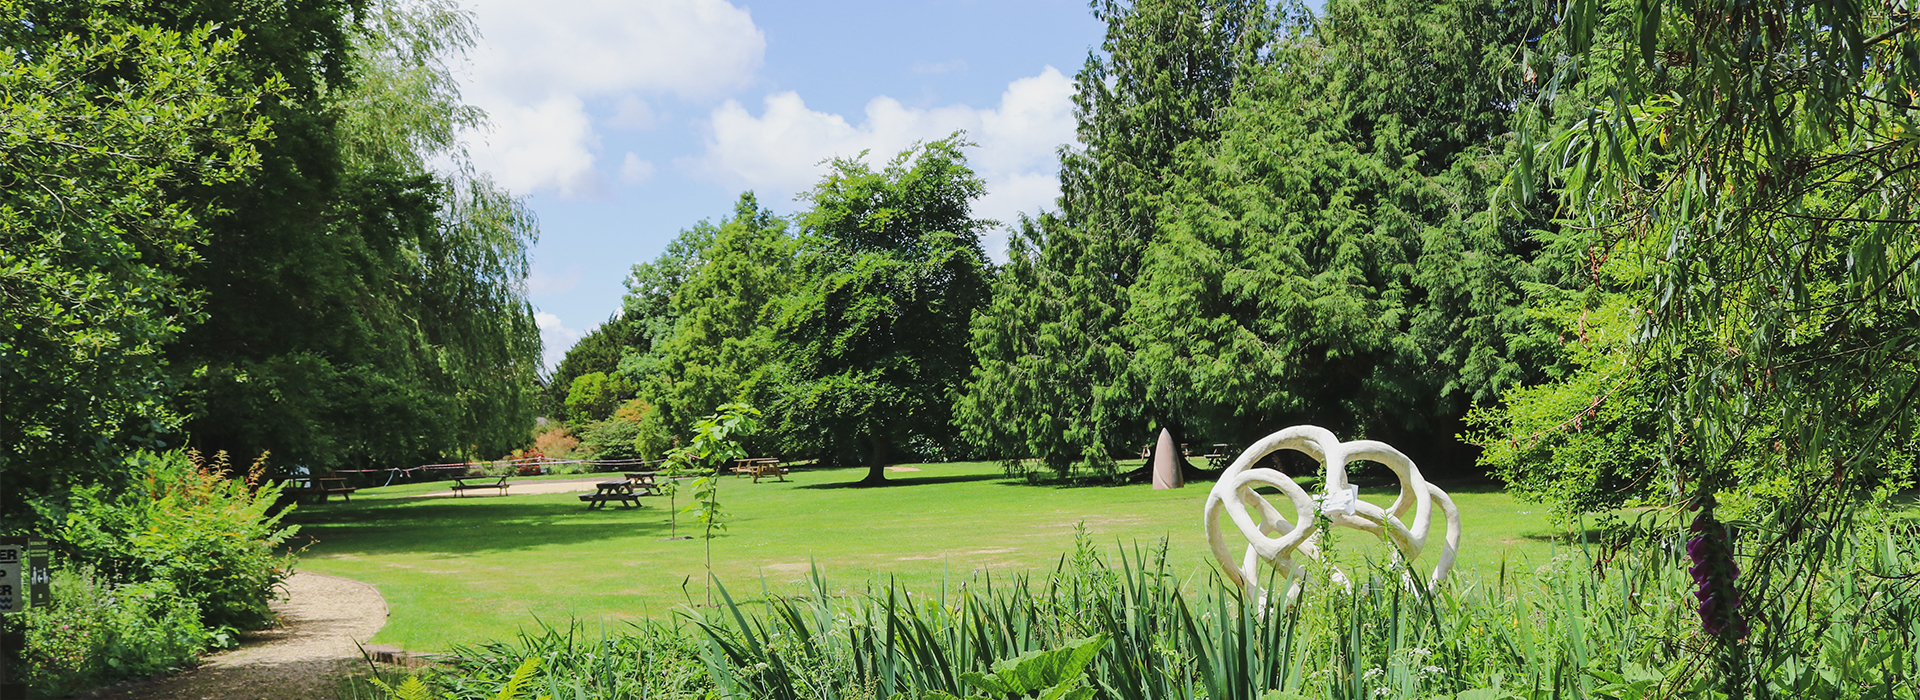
{"x": 1055, "y": 671}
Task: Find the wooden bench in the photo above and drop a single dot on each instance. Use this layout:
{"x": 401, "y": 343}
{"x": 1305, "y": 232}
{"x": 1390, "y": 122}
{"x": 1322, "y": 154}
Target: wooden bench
{"x": 621, "y": 491}
{"x": 460, "y": 485}
{"x": 319, "y": 488}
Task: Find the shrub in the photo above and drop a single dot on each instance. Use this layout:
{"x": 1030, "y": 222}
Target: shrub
{"x": 556, "y": 443}
{"x": 96, "y": 633}
{"x": 635, "y": 431}
{"x": 186, "y": 523}
{"x": 611, "y": 439}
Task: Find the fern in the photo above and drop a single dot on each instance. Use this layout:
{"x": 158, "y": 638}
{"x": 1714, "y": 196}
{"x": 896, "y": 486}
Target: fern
{"x": 521, "y": 677}
{"x": 410, "y": 689}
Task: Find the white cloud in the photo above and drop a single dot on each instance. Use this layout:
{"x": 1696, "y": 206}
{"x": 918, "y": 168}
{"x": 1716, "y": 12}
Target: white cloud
{"x": 547, "y": 145}
{"x": 555, "y": 338}
{"x": 635, "y": 170}
{"x": 782, "y": 149}
{"x": 539, "y": 281}
{"x": 633, "y": 113}
{"x": 540, "y": 63}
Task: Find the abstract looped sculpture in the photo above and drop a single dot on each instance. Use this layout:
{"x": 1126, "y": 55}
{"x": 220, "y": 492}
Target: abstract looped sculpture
{"x": 1270, "y": 536}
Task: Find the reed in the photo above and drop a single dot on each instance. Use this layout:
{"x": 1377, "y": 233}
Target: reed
{"x": 1613, "y": 620}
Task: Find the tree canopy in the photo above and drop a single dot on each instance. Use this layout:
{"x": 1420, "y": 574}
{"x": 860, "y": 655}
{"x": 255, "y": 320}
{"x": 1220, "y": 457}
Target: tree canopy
{"x": 107, "y": 126}
{"x": 873, "y": 345}
{"x": 232, "y": 225}
{"x": 1286, "y": 222}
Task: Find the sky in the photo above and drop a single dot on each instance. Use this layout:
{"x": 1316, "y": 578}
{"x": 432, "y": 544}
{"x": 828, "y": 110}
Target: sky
{"x": 624, "y": 122}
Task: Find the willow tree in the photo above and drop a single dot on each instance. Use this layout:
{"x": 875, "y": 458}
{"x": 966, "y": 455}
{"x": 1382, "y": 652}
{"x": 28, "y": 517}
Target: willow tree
{"x": 364, "y": 294}
{"x": 1754, "y": 163}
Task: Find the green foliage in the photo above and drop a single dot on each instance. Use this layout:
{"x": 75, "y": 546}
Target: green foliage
{"x": 715, "y": 443}
{"x": 1620, "y": 628}
{"x": 874, "y": 343}
{"x": 1752, "y": 162}
{"x": 595, "y": 395}
{"x": 1049, "y": 675}
{"x": 719, "y": 283}
{"x": 1329, "y": 257}
{"x": 1051, "y": 382}
{"x": 188, "y": 526}
{"x": 97, "y": 633}
{"x": 1761, "y": 185}
{"x": 1591, "y": 441}
{"x": 1277, "y": 218}
{"x": 363, "y": 307}
{"x": 110, "y": 123}
{"x": 600, "y": 350}
{"x": 652, "y": 661}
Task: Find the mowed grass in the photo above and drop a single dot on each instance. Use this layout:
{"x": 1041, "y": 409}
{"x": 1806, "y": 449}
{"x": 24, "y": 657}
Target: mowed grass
{"x": 466, "y": 570}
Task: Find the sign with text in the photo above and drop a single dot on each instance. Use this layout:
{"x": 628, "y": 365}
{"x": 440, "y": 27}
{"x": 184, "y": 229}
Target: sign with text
{"x": 13, "y": 588}
{"x": 24, "y": 575}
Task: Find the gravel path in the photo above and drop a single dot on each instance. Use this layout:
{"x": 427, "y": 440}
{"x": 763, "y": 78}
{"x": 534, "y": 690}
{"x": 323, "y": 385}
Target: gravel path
{"x": 302, "y": 660}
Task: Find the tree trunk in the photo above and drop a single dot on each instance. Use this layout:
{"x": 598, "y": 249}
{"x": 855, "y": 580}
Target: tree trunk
{"x": 877, "y": 464}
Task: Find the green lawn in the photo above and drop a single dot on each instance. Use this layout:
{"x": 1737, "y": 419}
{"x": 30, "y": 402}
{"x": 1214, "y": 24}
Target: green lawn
{"x": 478, "y": 568}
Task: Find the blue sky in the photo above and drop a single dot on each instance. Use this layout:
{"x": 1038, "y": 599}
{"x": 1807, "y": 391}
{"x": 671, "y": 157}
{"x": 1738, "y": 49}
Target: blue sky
{"x": 625, "y": 122}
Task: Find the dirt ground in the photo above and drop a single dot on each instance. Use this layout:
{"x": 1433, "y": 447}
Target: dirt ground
{"x": 303, "y": 659}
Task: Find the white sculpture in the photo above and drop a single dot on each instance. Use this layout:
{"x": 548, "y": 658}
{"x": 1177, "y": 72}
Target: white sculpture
{"x": 1275, "y": 539}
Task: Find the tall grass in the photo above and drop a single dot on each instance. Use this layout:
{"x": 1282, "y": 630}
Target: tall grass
{"x": 1600, "y": 622}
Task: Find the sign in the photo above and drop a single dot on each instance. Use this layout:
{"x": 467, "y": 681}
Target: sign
{"x": 24, "y": 576}
{"x": 13, "y": 588}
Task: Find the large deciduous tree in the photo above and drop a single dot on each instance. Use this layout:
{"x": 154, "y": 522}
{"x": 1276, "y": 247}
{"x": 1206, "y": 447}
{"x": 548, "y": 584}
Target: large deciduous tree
{"x": 106, "y": 121}
{"x": 874, "y": 342}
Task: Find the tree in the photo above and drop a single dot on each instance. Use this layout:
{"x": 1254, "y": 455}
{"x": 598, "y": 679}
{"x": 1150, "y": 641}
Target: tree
{"x": 1052, "y": 377}
{"x": 594, "y": 395}
{"x": 873, "y": 346}
{"x": 362, "y": 307}
{"x": 720, "y": 346}
{"x": 714, "y": 444}
{"x": 1331, "y": 257}
{"x": 106, "y": 126}
{"x": 600, "y": 350}
{"x": 1750, "y": 165}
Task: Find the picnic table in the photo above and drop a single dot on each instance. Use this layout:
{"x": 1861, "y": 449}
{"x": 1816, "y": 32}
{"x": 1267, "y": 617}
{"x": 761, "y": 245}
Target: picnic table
{"x": 1219, "y": 455}
{"x": 645, "y": 483}
{"x": 461, "y": 484}
{"x": 621, "y": 491}
{"x": 760, "y": 466}
{"x": 318, "y": 488}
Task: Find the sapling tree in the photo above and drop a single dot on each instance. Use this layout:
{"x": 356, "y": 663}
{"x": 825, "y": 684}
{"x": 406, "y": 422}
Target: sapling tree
{"x": 670, "y": 470}
{"x": 714, "y": 445}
